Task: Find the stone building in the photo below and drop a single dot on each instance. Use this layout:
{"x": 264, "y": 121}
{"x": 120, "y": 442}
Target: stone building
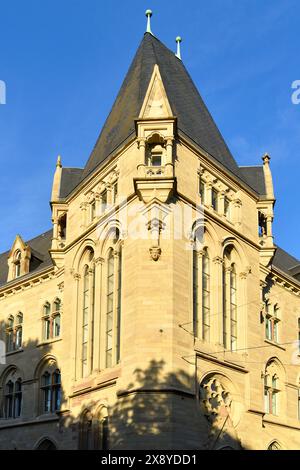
{"x": 157, "y": 313}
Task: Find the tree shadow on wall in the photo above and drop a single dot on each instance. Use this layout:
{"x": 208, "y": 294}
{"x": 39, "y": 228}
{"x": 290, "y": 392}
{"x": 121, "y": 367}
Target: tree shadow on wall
{"x": 27, "y": 364}
{"x": 156, "y": 410}
{"x": 159, "y": 411}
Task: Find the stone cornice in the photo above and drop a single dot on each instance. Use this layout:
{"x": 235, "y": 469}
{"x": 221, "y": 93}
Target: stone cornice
{"x": 27, "y": 281}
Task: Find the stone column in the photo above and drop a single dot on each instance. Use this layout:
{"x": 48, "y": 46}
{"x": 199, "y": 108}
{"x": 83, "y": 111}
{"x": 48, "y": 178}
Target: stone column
{"x": 55, "y": 233}
{"x": 221, "y": 203}
{"x": 208, "y": 193}
{"x": 142, "y": 156}
{"x": 83, "y": 207}
{"x": 237, "y": 211}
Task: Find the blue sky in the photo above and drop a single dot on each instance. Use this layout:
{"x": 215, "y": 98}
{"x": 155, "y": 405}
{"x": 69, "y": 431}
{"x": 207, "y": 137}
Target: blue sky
{"x": 64, "y": 61}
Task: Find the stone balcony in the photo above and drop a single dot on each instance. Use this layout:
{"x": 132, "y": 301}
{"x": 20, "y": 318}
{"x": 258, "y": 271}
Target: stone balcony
{"x": 154, "y": 182}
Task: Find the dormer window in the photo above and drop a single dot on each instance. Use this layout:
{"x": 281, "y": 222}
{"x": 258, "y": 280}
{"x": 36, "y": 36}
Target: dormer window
{"x": 156, "y": 151}
{"x": 17, "y": 263}
{"x": 156, "y": 156}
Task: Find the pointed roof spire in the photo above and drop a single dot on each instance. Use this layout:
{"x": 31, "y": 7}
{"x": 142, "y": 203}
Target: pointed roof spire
{"x": 148, "y": 13}
{"x": 193, "y": 118}
{"x": 58, "y": 162}
{"x": 178, "y": 53}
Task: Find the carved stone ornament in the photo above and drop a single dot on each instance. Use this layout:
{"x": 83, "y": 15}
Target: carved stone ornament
{"x": 155, "y": 252}
{"x": 215, "y": 400}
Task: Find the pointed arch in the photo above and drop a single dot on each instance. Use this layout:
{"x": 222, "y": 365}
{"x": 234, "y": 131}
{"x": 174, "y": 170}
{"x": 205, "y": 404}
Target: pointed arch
{"x": 46, "y": 443}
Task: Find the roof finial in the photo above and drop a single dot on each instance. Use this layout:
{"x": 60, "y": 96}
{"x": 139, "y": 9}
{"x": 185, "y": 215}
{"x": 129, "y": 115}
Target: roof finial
{"x": 58, "y": 162}
{"x": 178, "y": 53}
{"x": 148, "y": 14}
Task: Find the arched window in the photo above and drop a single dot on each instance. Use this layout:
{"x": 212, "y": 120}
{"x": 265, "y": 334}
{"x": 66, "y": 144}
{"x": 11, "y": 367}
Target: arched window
{"x": 12, "y": 398}
{"x": 113, "y": 301}
{"x": 110, "y": 308}
{"x": 274, "y": 446}
{"x": 94, "y": 430}
{"x": 17, "y": 263}
{"x": 205, "y": 296}
{"x": 86, "y": 432}
{"x": 85, "y": 321}
{"x": 51, "y": 320}
{"x": 201, "y": 288}
{"x": 271, "y": 389}
{"x": 272, "y": 320}
{"x": 86, "y": 296}
{"x": 10, "y": 343}
{"x": 56, "y": 318}
{"x": 102, "y": 430}
{"x": 14, "y": 332}
{"x": 46, "y": 321}
{"x": 46, "y": 444}
{"x": 50, "y": 390}
{"x": 230, "y": 302}
{"x": 156, "y": 150}
{"x": 233, "y": 309}
{"x": 19, "y": 330}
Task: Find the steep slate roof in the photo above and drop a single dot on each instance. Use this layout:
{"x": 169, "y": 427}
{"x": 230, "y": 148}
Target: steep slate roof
{"x": 41, "y": 259}
{"x": 187, "y": 105}
{"x": 254, "y": 176}
{"x": 284, "y": 260}
{"x": 287, "y": 263}
{"x": 70, "y": 178}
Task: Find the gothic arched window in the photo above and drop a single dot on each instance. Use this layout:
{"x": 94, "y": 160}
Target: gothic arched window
{"x": 274, "y": 446}
{"x": 94, "y": 430}
{"x": 110, "y": 308}
{"x": 14, "y": 332}
{"x": 272, "y": 388}
{"x": 86, "y": 431}
{"x": 205, "y": 296}
{"x": 12, "y": 398}
{"x": 46, "y": 444}
{"x": 50, "y": 390}
{"x": 17, "y": 263}
{"x": 113, "y": 303}
{"x": 56, "y": 317}
{"x": 85, "y": 321}
{"x": 51, "y": 320}
{"x": 230, "y": 301}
